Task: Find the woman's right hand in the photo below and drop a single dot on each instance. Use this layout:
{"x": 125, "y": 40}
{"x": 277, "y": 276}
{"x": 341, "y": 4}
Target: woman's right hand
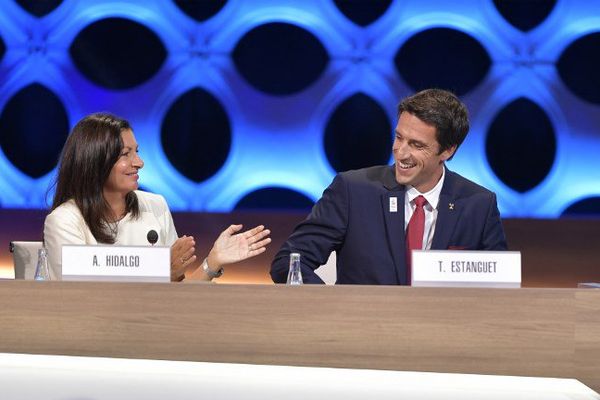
{"x": 232, "y": 246}
{"x": 182, "y": 255}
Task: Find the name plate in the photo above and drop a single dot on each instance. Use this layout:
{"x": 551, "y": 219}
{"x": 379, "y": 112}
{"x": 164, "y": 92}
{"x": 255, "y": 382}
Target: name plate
{"x": 116, "y": 263}
{"x": 462, "y": 268}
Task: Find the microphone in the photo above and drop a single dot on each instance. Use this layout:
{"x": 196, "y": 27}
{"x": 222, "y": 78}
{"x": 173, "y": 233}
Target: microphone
{"x": 152, "y": 237}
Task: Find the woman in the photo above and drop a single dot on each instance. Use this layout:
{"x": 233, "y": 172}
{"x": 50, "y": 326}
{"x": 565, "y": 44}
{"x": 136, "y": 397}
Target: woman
{"x": 97, "y": 201}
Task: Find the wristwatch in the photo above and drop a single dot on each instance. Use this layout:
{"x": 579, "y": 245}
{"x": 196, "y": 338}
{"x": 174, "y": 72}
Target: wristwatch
{"x": 209, "y": 272}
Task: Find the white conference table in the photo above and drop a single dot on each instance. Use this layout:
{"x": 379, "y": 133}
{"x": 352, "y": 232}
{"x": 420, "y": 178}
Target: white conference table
{"x": 26, "y": 376}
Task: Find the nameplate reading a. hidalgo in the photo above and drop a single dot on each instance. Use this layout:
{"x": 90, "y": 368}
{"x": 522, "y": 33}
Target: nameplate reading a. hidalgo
{"x": 116, "y": 263}
{"x": 466, "y": 268}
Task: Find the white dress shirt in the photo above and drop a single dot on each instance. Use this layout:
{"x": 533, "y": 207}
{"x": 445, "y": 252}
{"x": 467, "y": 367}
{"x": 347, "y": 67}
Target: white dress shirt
{"x": 431, "y": 208}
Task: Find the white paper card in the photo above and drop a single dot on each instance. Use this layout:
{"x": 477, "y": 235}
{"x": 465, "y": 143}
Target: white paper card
{"x": 466, "y": 268}
{"x": 116, "y": 263}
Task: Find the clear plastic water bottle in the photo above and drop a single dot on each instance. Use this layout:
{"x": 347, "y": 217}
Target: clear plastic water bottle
{"x": 295, "y": 273}
{"x": 42, "y": 273}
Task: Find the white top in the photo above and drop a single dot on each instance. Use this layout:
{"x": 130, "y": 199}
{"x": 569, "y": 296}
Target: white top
{"x": 430, "y": 208}
{"x": 65, "y": 225}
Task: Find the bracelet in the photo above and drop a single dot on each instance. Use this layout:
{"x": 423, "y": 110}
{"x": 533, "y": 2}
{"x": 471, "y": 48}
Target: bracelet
{"x": 209, "y": 272}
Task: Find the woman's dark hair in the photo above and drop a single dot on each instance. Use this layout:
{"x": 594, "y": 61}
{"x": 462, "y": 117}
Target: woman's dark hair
{"x": 442, "y": 110}
{"x": 89, "y": 154}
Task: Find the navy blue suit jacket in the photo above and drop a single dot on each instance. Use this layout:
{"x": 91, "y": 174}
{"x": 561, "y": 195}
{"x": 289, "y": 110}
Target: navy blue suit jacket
{"x": 353, "y": 218}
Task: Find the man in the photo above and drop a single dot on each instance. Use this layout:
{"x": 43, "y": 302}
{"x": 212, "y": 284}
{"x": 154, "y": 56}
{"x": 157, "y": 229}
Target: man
{"x": 363, "y": 215}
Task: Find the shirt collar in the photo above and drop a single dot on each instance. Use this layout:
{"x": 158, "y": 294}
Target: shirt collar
{"x": 432, "y": 196}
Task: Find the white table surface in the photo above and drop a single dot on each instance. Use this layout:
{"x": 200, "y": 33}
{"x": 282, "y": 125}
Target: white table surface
{"x": 25, "y": 376}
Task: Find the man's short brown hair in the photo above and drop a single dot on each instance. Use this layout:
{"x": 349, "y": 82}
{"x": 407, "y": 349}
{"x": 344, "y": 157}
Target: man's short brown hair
{"x": 442, "y": 110}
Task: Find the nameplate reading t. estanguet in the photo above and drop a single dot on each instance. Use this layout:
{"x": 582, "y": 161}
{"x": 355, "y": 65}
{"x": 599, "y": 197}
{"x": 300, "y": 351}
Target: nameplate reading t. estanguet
{"x": 466, "y": 268}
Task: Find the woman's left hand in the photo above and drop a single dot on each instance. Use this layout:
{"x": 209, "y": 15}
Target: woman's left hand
{"x": 231, "y": 246}
{"x": 182, "y": 255}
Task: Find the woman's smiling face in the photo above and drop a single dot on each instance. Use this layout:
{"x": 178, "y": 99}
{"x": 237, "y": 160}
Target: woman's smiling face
{"x": 124, "y": 176}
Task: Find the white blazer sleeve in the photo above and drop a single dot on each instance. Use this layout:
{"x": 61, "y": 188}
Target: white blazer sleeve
{"x": 61, "y": 227}
{"x": 169, "y": 226}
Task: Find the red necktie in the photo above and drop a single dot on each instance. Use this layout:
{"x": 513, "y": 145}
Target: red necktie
{"x": 414, "y": 232}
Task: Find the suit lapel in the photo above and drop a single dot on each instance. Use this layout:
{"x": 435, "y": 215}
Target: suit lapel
{"x": 448, "y": 213}
{"x": 394, "y": 221}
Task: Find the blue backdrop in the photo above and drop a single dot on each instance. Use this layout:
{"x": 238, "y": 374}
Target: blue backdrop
{"x": 258, "y": 103}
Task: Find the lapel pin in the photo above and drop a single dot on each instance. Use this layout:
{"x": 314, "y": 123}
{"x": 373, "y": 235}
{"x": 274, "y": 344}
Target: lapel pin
{"x": 393, "y": 204}
{"x": 451, "y": 206}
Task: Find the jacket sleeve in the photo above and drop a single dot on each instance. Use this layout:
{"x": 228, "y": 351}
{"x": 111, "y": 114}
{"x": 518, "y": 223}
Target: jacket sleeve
{"x": 61, "y": 227}
{"x": 493, "y": 237}
{"x": 322, "y": 232}
{"x": 166, "y": 220}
